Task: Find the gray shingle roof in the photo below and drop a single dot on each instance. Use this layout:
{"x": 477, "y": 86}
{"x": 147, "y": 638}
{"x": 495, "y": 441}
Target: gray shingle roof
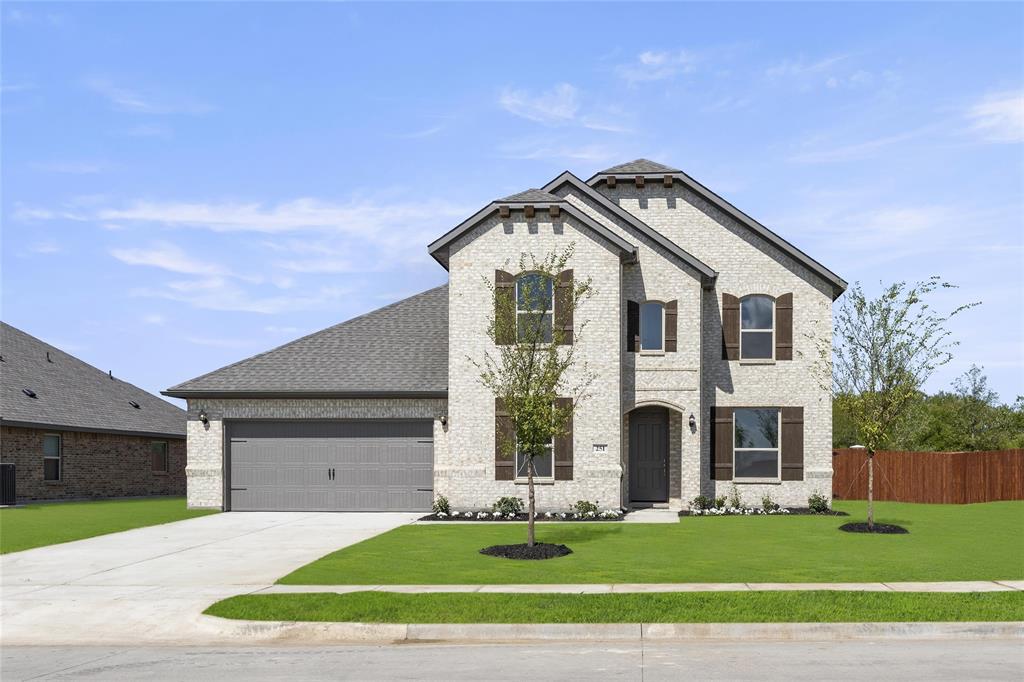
{"x": 72, "y": 394}
{"x": 400, "y": 349}
{"x": 537, "y": 196}
{"x": 639, "y": 166}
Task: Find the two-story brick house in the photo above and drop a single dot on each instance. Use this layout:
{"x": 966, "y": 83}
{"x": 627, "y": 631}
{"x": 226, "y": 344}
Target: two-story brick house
{"x": 697, "y": 338}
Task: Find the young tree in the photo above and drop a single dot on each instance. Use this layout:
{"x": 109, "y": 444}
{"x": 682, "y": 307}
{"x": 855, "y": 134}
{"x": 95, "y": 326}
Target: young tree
{"x": 534, "y": 368}
{"x": 881, "y": 353}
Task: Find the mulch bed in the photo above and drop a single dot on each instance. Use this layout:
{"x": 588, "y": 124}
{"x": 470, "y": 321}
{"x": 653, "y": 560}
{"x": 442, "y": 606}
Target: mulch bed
{"x": 884, "y": 528}
{"x": 793, "y": 511}
{"x": 520, "y": 517}
{"x": 540, "y": 550}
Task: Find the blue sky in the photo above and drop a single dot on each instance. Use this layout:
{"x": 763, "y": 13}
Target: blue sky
{"x": 185, "y": 185}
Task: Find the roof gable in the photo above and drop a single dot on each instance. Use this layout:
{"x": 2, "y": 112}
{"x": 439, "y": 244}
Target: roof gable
{"x": 707, "y": 273}
{"x": 837, "y": 283}
{"x": 73, "y": 395}
{"x": 537, "y": 200}
{"x": 639, "y": 167}
{"x": 399, "y": 350}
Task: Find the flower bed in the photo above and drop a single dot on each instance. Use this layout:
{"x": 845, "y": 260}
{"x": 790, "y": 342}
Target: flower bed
{"x": 605, "y": 515}
{"x": 759, "y": 511}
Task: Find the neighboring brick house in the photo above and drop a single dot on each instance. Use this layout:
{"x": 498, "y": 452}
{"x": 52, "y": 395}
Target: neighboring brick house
{"x": 698, "y": 337}
{"x": 76, "y": 432}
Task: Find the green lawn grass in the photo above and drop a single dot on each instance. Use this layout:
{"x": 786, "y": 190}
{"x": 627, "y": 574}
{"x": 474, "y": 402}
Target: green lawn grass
{"x": 37, "y": 525}
{"x": 685, "y": 607}
{"x": 946, "y": 542}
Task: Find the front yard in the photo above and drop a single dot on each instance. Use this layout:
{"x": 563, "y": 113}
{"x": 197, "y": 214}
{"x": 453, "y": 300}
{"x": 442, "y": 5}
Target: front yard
{"x": 37, "y": 525}
{"x": 946, "y": 542}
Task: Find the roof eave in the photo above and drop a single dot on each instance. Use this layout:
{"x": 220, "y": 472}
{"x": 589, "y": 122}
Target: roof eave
{"x": 46, "y": 426}
{"x": 242, "y": 394}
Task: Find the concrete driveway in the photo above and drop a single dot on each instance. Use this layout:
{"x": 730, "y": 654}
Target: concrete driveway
{"x": 150, "y": 585}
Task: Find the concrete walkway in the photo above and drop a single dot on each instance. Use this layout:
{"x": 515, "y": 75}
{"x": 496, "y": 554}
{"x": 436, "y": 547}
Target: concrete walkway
{"x": 625, "y": 588}
{"x": 152, "y": 584}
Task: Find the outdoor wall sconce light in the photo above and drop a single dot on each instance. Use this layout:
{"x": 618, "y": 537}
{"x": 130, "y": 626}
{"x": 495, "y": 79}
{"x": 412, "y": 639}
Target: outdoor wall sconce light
{"x": 693, "y": 422}
{"x": 444, "y": 420}
{"x": 203, "y": 418}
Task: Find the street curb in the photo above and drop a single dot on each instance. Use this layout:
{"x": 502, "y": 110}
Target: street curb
{"x": 259, "y": 632}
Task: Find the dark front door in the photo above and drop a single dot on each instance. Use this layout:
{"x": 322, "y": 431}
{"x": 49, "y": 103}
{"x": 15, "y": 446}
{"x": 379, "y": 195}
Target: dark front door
{"x": 648, "y": 455}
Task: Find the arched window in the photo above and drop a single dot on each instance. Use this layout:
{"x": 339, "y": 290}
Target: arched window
{"x": 652, "y": 326}
{"x": 535, "y": 305}
{"x": 757, "y": 327}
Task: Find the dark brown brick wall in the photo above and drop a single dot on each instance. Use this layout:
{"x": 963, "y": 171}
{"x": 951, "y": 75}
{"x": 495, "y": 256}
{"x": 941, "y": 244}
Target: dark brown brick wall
{"x": 94, "y": 465}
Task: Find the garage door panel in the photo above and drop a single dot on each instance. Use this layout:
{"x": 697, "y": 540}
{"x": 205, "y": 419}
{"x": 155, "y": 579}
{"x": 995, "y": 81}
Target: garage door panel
{"x": 383, "y": 465}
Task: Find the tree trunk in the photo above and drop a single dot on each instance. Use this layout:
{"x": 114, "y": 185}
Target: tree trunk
{"x": 530, "y": 511}
{"x": 871, "y": 490}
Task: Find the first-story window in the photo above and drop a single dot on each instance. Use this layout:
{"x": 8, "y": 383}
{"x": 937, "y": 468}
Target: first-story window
{"x": 543, "y": 464}
{"x": 51, "y": 457}
{"x": 652, "y": 326}
{"x": 158, "y": 450}
{"x": 757, "y": 328}
{"x": 756, "y": 442}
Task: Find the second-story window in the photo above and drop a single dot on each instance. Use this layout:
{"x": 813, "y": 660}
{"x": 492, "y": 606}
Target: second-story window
{"x": 757, "y": 328}
{"x": 652, "y": 326}
{"x": 535, "y": 303}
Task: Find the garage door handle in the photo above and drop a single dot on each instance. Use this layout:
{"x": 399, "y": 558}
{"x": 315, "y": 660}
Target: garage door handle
{"x": 239, "y": 489}
{"x": 424, "y": 490}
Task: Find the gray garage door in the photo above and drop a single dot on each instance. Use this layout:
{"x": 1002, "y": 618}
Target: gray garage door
{"x": 384, "y": 465}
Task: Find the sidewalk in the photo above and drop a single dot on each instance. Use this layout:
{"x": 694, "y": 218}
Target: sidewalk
{"x": 621, "y": 588}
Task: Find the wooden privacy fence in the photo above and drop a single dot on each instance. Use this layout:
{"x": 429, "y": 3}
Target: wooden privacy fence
{"x": 937, "y": 477}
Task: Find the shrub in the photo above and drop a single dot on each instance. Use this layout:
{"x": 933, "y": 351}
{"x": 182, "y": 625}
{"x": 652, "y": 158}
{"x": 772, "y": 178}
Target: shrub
{"x": 768, "y": 504}
{"x": 720, "y": 502}
{"x": 441, "y": 506}
{"x": 700, "y": 502}
{"x": 735, "y": 501}
{"x": 508, "y": 505}
{"x": 582, "y": 507}
{"x": 818, "y": 503}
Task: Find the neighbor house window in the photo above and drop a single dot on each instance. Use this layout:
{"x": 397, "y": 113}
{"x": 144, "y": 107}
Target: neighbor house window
{"x": 543, "y": 464}
{"x": 535, "y": 298}
{"x": 757, "y": 328}
{"x": 756, "y": 442}
{"x": 51, "y": 457}
{"x": 652, "y": 326}
{"x": 158, "y": 450}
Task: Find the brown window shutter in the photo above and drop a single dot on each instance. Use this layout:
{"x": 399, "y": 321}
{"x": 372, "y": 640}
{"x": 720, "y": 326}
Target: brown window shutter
{"x": 721, "y": 444}
{"x": 632, "y": 326}
{"x": 784, "y": 327}
{"x": 563, "y": 444}
{"x": 504, "y": 308}
{"x": 504, "y": 443}
{"x": 730, "y": 327}
{"x": 792, "y": 443}
{"x": 671, "y": 325}
{"x": 563, "y": 307}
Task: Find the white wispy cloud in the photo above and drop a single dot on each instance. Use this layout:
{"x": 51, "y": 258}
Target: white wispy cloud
{"x": 147, "y": 130}
{"x": 420, "y": 134}
{"x": 656, "y": 65}
{"x": 551, "y": 107}
{"x": 823, "y": 150}
{"x": 144, "y": 102}
{"x": 999, "y": 117}
{"x": 167, "y": 256}
{"x": 153, "y": 318}
{"x": 69, "y": 167}
{"x": 224, "y": 294}
{"x": 47, "y": 246}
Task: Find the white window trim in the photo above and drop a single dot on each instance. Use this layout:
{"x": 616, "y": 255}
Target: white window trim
{"x": 768, "y": 329}
{"x": 536, "y": 478}
{"x": 652, "y": 351}
{"x": 59, "y": 458}
{"x": 550, "y": 311}
{"x": 167, "y": 457}
{"x": 777, "y": 448}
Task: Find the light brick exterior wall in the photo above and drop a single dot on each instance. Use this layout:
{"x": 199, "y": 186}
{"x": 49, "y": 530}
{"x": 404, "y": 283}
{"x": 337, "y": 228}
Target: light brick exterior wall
{"x": 93, "y": 465}
{"x": 467, "y": 478}
{"x": 205, "y": 468}
{"x": 746, "y": 265}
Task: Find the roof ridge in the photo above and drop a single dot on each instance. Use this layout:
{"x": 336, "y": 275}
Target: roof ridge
{"x": 307, "y": 336}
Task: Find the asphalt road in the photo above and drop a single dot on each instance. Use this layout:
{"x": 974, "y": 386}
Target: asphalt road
{"x": 902, "y": 660}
